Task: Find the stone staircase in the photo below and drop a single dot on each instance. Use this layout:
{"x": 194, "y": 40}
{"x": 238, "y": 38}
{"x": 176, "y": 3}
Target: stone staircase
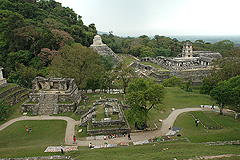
{"x": 86, "y": 117}
{"x": 48, "y": 104}
{"x": 84, "y": 121}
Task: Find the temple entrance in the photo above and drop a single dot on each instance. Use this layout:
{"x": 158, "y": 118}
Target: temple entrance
{"x": 55, "y": 85}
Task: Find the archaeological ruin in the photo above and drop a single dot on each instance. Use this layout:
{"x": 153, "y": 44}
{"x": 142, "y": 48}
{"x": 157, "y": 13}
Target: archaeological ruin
{"x": 3, "y": 81}
{"x": 52, "y": 96}
{"x": 104, "y": 50}
{"x": 105, "y": 117}
{"x": 189, "y": 64}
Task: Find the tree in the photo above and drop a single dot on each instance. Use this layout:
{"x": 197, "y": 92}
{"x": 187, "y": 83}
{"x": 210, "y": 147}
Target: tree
{"x": 106, "y": 80}
{"x": 235, "y": 83}
{"x": 124, "y": 73}
{"x": 224, "y": 94}
{"x": 46, "y": 56}
{"x": 172, "y": 82}
{"x": 78, "y": 62}
{"x": 143, "y": 95}
{"x": 4, "y": 109}
{"x": 224, "y": 69}
{"x": 107, "y": 62}
{"x": 188, "y": 84}
{"x": 62, "y": 37}
{"x": 23, "y": 75}
{"x": 32, "y": 34}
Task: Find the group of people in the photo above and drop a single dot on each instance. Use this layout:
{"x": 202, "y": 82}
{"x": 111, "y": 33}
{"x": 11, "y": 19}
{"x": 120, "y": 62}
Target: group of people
{"x": 29, "y": 130}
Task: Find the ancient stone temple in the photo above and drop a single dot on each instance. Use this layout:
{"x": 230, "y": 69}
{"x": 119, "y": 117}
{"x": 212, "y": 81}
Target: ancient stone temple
{"x": 103, "y": 49}
{"x": 189, "y": 64}
{"x": 187, "y": 51}
{"x": 52, "y": 96}
{"x": 3, "y": 81}
{"x": 188, "y": 59}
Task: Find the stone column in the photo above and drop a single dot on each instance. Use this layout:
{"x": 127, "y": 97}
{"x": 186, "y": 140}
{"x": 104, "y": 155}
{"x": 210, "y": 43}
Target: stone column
{"x": 1, "y": 74}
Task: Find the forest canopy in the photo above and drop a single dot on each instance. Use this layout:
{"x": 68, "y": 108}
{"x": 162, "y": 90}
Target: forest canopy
{"x": 32, "y": 32}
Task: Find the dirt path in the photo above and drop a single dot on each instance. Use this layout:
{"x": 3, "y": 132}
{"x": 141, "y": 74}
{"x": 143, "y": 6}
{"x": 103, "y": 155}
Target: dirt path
{"x": 71, "y": 123}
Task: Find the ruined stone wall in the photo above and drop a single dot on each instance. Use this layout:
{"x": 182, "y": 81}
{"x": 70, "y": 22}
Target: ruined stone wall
{"x": 107, "y": 123}
{"x": 3, "y": 82}
{"x": 6, "y": 92}
{"x": 195, "y": 75}
{"x": 66, "y": 108}
{"x": 27, "y": 107}
{"x": 107, "y": 131}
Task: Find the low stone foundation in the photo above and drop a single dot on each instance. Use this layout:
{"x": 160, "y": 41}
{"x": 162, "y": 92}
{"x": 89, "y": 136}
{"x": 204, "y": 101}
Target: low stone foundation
{"x": 107, "y": 131}
{"x": 109, "y": 123}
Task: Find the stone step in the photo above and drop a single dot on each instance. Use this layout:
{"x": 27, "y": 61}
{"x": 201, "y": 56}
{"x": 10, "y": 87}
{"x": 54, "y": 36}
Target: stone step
{"x": 46, "y": 112}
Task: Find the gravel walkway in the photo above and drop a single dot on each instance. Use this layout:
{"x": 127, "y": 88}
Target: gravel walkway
{"x": 71, "y": 123}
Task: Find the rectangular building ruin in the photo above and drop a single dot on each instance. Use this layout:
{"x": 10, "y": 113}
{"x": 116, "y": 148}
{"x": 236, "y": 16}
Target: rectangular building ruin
{"x": 52, "y": 96}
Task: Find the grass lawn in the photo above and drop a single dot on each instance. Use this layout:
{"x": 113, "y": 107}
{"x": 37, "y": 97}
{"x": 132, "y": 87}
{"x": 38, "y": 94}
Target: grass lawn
{"x": 207, "y": 120}
{"x": 178, "y": 98}
{"x": 229, "y": 132}
{"x": 16, "y": 142}
{"x": 179, "y": 150}
{"x": 126, "y": 58}
{"x": 100, "y": 112}
{"x": 83, "y": 134}
{"x": 14, "y": 112}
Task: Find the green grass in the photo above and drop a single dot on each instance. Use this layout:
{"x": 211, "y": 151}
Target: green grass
{"x": 127, "y": 58}
{"x": 100, "y": 112}
{"x": 179, "y": 150}
{"x": 178, "y": 98}
{"x": 207, "y": 120}
{"x": 14, "y": 112}
{"x": 229, "y": 132}
{"x": 82, "y": 135}
{"x": 10, "y": 94}
{"x": 16, "y": 142}
{"x": 10, "y": 86}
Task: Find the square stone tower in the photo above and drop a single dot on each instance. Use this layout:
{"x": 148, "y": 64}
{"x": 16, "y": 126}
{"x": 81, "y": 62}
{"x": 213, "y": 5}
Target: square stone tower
{"x": 187, "y": 51}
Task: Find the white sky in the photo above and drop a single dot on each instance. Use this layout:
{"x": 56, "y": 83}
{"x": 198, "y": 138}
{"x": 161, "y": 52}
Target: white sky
{"x": 162, "y": 17}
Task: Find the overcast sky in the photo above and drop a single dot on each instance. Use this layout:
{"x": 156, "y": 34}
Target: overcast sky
{"x": 162, "y": 17}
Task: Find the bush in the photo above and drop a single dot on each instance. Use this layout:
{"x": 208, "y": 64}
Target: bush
{"x": 4, "y": 109}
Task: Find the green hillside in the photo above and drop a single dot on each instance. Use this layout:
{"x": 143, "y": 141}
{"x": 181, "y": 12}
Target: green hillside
{"x": 31, "y": 34}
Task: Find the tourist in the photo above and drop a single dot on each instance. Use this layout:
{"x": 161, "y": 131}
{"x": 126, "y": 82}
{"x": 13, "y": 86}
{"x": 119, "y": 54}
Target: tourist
{"x": 74, "y": 140}
{"x": 197, "y": 121}
{"x": 27, "y": 129}
{"x": 129, "y": 137}
{"x": 169, "y": 127}
{"x": 61, "y": 149}
{"x": 90, "y": 145}
{"x": 30, "y": 129}
{"x": 212, "y": 106}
